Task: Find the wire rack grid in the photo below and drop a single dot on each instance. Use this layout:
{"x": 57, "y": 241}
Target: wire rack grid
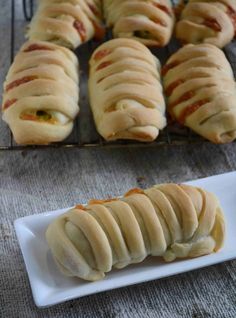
{"x": 84, "y": 134}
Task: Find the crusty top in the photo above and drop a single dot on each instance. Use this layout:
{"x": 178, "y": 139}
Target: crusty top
{"x": 150, "y": 22}
{"x": 67, "y": 23}
{"x": 200, "y": 87}
{"x": 204, "y": 21}
{"x": 40, "y": 98}
{"x": 125, "y": 91}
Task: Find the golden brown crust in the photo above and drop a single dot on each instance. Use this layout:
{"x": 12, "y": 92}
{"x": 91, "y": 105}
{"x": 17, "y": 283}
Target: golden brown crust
{"x": 212, "y": 22}
{"x": 125, "y": 91}
{"x": 88, "y": 242}
{"x": 67, "y": 23}
{"x": 149, "y": 22}
{"x": 200, "y": 86}
{"x": 40, "y": 99}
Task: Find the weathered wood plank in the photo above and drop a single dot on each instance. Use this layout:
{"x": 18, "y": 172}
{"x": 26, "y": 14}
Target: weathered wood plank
{"x": 5, "y": 49}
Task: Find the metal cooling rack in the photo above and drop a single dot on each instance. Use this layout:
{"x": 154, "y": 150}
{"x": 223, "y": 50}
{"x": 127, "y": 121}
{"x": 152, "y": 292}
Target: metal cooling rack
{"x": 84, "y": 134}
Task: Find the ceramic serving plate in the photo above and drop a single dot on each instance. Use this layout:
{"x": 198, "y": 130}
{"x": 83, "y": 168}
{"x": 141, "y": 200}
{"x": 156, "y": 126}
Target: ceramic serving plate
{"x": 50, "y": 287}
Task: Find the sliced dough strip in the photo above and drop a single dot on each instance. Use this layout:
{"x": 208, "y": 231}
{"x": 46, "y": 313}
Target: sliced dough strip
{"x": 67, "y": 23}
{"x": 149, "y": 22}
{"x": 125, "y": 91}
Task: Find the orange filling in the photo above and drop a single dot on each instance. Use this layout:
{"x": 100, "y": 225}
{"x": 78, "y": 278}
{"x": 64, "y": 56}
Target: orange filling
{"x": 213, "y": 24}
{"x": 34, "y": 117}
{"x": 172, "y": 86}
{"x": 99, "y": 31}
{"x": 78, "y": 25}
{"x": 103, "y": 65}
{"x": 20, "y": 81}
{"x": 232, "y": 14}
{"x": 8, "y": 103}
{"x": 80, "y": 207}
{"x": 36, "y": 47}
{"x": 183, "y": 98}
{"x": 100, "y": 54}
{"x": 110, "y": 109}
{"x": 28, "y": 117}
{"x": 157, "y": 21}
{"x": 133, "y": 191}
{"x": 163, "y": 8}
{"x": 167, "y": 67}
{"x": 191, "y": 109}
{"x": 94, "y": 201}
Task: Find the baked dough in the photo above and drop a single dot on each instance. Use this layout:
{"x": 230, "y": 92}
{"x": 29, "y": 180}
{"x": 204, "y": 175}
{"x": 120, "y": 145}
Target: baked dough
{"x": 125, "y": 91}
{"x": 168, "y": 220}
{"x": 40, "y": 99}
{"x": 200, "y": 87}
{"x": 150, "y": 22}
{"x": 67, "y": 23}
{"x": 212, "y": 22}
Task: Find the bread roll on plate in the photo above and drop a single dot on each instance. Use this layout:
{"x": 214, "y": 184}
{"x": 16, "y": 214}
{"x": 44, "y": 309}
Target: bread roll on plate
{"x": 125, "y": 91}
{"x": 169, "y": 220}
{"x": 40, "y": 98}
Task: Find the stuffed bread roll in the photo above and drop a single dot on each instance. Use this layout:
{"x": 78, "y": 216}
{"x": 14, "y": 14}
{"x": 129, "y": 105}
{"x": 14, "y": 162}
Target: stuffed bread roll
{"x": 125, "y": 91}
{"x": 200, "y": 87}
{"x": 40, "y": 98}
{"x": 88, "y": 241}
{"x": 204, "y": 21}
{"x": 150, "y": 22}
{"x": 67, "y": 23}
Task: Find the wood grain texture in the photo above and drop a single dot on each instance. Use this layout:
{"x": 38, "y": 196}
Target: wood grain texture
{"x": 5, "y": 60}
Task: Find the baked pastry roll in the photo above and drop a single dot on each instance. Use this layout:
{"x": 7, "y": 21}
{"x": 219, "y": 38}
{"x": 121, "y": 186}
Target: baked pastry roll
{"x": 150, "y": 22}
{"x": 88, "y": 241}
{"x": 200, "y": 86}
{"x": 212, "y": 22}
{"x": 125, "y": 91}
{"x": 67, "y": 23}
{"x": 40, "y": 99}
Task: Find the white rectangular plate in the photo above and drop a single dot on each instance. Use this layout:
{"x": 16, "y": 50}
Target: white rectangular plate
{"x": 50, "y": 287}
